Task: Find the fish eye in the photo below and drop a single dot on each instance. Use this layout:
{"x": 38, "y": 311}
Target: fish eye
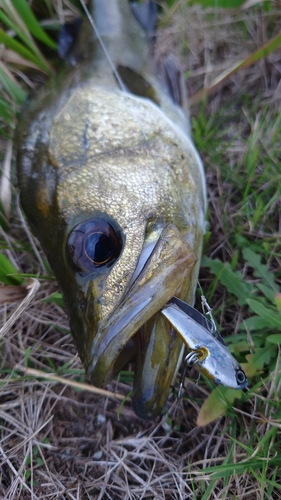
{"x": 240, "y": 377}
{"x": 93, "y": 243}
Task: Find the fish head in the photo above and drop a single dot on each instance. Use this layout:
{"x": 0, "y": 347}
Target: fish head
{"x": 115, "y": 195}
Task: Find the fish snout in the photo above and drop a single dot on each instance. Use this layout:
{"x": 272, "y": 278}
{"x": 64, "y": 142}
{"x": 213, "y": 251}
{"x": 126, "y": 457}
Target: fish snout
{"x": 136, "y": 329}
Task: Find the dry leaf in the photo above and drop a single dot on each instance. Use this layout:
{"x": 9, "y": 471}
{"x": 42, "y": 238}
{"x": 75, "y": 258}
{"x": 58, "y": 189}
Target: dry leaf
{"x": 12, "y": 293}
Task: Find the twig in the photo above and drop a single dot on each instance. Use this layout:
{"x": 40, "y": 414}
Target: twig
{"x": 78, "y": 385}
{"x": 32, "y": 285}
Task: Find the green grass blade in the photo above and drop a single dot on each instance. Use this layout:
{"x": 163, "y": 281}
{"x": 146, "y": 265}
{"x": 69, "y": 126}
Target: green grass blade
{"x": 239, "y": 468}
{"x": 32, "y": 23}
{"x": 260, "y": 270}
{"x": 260, "y": 358}
{"x": 273, "y": 44}
{"x": 7, "y": 269}
{"x": 275, "y": 338}
{"x": 11, "y": 86}
{"x": 6, "y": 110}
{"x": 272, "y": 317}
{"x": 20, "y": 49}
{"x": 255, "y": 323}
{"x": 20, "y": 29}
{"x": 233, "y": 281}
{"x": 268, "y": 292}
{"x": 57, "y": 298}
{"x": 218, "y": 4}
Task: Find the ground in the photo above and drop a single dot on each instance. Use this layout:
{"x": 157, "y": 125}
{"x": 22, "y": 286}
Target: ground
{"x": 62, "y": 442}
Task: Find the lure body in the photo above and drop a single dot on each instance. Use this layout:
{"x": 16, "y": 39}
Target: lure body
{"x": 212, "y": 355}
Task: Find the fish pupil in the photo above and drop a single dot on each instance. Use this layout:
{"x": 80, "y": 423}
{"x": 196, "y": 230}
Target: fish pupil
{"x": 93, "y": 243}
{"x": 99, "y": 248}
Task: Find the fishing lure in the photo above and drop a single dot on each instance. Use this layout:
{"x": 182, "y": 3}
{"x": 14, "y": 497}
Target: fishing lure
{"x": 205, "y": 346}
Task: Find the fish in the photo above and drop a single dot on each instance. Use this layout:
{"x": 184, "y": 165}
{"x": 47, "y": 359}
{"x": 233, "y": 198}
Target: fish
{"x": 206, "y": 348}
{"x": 114, "y": 189}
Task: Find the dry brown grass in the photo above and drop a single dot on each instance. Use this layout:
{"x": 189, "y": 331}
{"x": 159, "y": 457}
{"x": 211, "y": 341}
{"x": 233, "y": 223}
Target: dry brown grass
{"x": 57, "y": 442}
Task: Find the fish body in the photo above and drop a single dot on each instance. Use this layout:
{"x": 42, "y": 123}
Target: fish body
{"x": 114, "y": 190}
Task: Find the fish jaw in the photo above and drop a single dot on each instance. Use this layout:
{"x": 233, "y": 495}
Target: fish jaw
{"x": 159, "y": 355}
{"x": 165, "y": 273}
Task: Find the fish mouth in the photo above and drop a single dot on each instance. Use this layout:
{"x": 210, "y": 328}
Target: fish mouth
{"x": 137, "y": 319}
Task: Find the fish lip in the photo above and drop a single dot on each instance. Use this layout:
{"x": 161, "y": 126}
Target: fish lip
{"x": 160, "y": 278}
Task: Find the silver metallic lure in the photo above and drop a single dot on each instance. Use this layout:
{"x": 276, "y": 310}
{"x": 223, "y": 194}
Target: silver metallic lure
{"x": 205, "y": 345}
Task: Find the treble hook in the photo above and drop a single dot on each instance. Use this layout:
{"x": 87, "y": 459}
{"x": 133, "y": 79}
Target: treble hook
{"x": 191, "y": 359}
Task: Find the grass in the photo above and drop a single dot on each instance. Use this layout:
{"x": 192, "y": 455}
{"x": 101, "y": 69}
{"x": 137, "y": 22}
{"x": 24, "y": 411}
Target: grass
{"x": 63, "y": 442}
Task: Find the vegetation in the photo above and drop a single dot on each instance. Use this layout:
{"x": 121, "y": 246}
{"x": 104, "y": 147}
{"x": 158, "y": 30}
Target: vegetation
{"x": 60, "y": 438}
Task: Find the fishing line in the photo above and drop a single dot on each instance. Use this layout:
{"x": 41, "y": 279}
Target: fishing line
{"x": 113, "y": 67}
{"x": 207, "y": 310}
{"x": 103, "y": 46}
